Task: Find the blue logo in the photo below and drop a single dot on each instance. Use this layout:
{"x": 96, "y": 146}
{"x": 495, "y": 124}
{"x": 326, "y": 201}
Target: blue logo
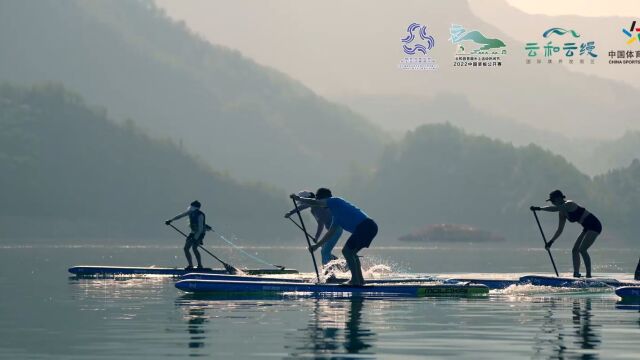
{"x": 415, "y": 45}
{"x": 427, "y": 42}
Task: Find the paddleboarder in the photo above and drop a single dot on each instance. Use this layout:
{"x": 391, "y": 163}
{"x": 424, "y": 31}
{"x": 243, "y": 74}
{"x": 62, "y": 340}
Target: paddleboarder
{"x": 350, "y": 218}
{"x": 637, "y": 274}
{"x": 324, "y": 218}
{"x": 591, "y": 228}
{"x": 197, "y": 224}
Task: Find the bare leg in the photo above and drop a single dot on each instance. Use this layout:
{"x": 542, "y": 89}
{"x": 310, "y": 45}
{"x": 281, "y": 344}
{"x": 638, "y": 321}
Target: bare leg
{"x": 587, "y": 241}
{"x": 187, "y": 254}
{"x": 359, "y": 269}
{"x": 575, "y": 253}
{"x": 354, "y": 265}
{"x": 197, "y": 254}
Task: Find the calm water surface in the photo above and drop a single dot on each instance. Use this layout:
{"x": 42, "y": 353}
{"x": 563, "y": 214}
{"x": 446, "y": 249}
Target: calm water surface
{"x": 45, "y": 314}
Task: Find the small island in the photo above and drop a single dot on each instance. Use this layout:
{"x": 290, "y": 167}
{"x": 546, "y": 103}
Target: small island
{"x": 451, "y": 233}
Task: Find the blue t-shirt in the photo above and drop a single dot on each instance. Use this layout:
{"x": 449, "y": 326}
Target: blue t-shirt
{"x": 345, "y": 214}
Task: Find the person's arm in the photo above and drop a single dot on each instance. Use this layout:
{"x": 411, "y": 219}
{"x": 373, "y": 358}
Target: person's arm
{"x": 551, "y": 208}
{"x": 179, "y": 216}
{"x": 562, "y": 220}
{"x": 326, "y": 237}
{"x": 310, "y": 202}
{"x": 300, "y": 208}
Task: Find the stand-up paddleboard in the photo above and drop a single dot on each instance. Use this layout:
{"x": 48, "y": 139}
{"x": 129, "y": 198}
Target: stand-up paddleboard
{"x": 226, "y": 287}
{"x": 227, "y": 277}
{"x": 130, "y": 270}
{"x": 490, "y": 283}
{"x": 209, "y": 276}
{"x": 541, "y": 280}
{"x": 629, "y": 292}
{"x": 552, "y": 281}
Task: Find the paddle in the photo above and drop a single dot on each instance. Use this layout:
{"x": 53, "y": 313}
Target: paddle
{"x": 544, "y": 238}
{"x": 279, "y": 267}
{"x": 300, "y": 227}
{"x": 306, "y": 235}
{"x": 230, "y": 269}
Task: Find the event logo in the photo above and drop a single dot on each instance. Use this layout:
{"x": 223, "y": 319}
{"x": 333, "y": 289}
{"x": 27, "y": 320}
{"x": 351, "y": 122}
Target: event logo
{"x": 560, "y": 32}
{"x": 627, "y": 56}
{"x": 474, "y": 49}
{"x": 630, "y": 32}
{"x": 568, "y": 52}
{"x": 415, "y": 45}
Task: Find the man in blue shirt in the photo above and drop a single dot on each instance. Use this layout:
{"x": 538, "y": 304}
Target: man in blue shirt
{"x": 350, "y": 218}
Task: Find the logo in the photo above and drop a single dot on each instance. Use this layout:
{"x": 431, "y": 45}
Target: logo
{"x": 409, "y": 48}
{"x": 630, "y": 32}
{"x": 560, "y": 32}
{"x": 474, "y": 49}
{"x": 571, "y": 51}
{"x": 415, "y": 45}
{"x": 627, "y": 56}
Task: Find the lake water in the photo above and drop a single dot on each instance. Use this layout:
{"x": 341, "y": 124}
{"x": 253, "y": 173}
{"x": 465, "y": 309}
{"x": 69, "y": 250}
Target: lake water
{"x": 45, "y": 314}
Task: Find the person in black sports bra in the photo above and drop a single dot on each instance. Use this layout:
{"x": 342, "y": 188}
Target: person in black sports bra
{"x": 591, "y": 228}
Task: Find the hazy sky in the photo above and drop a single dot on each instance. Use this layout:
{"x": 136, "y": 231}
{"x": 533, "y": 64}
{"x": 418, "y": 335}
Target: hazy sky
{"x": 315, "y": 42}
{"x": 625, "y": 8}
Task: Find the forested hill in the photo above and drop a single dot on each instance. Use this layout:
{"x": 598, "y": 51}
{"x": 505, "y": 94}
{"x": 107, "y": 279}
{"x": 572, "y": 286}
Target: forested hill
{"x": 438, "y": 174}
{"x": 618, "y": 193}
{"x": 69, "y": 171}
{"x": 236, "y": 115}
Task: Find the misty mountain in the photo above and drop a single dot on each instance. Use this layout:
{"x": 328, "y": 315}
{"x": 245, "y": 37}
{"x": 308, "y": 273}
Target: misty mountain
{"x": 236, "y": 115}
{"x": 618, "y": 192}
{"x": 68, "y": 171}
{"x": 598, "y": 157}
{"x": 438, "y": 174}
{"x": 592, "y": 156}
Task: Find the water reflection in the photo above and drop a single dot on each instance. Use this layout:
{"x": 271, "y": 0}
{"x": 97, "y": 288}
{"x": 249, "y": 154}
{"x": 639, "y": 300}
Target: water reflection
{"x": 551, "y": 340}
{"x": 585, "y": 330}
{"x": 196, "y": 320}
{"x": 335, "y": 328}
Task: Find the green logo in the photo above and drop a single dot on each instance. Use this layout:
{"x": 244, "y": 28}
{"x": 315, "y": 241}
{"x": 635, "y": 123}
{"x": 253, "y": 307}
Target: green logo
{"x": 465, "y": 39}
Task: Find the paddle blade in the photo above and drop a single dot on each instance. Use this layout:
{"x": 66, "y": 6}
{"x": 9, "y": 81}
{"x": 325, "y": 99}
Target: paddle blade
{"x": 230, "y": 269}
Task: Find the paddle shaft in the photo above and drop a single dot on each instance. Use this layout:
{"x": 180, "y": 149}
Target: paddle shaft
{"x": 306, "y": 235}
{"x": 300, "y": 227}
{"x": 209, "y": 228}
{"x": 544, "y": 238}
{"x": 226, "y": 266}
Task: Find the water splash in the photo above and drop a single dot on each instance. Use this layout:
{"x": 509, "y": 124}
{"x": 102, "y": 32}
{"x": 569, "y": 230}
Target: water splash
{"x": 377, "y": 270}
{"x": 536, "y": 290}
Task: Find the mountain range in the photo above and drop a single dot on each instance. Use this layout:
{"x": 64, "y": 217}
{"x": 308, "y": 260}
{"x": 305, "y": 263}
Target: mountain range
{"x": 235, "y": 115}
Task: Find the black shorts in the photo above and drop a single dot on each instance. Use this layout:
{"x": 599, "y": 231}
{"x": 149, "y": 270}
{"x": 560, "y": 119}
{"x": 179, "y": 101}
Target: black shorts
{"x": 192, "y": 241}
{"x": 364, "y": 234}
{"x": 591, "y": 223}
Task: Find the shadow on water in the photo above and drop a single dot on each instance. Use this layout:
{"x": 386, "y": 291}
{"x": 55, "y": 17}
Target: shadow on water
{"x": 551, "y": 340}
{"x": 334, "y": 328}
